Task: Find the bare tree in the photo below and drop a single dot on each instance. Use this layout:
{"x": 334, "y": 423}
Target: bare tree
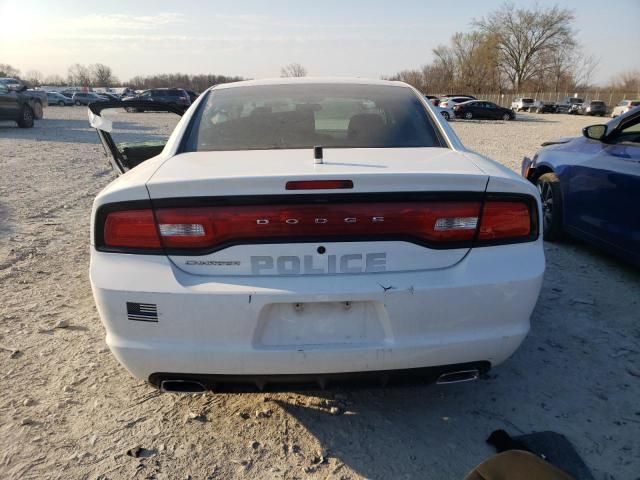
{"x": 198, "y": 83}
{"x": 56, "y": 80}
{"x": 34, "y": 78}
{"x": 293, "y": 70}
{"x": 628, "y": 81}
{"x": 526, "y": 37}
{"x": 585, "y": 66}
{"x": 79, "y": 75}
{"x": 102, "y": 75}
{"x": 7, "y": 70}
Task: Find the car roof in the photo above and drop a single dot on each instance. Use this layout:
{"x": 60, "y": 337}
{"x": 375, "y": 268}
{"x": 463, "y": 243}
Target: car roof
{"x": 310, "y": 80}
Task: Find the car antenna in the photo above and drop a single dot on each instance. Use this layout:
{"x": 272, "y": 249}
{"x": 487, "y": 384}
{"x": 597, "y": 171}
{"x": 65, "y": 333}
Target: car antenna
{"x": 317, "y": 155}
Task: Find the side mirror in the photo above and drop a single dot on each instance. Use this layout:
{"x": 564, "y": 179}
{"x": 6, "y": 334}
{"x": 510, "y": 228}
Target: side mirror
{"x": 595, "y": 132}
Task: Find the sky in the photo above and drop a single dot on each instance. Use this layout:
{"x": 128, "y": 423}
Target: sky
{"x": 254, "y": 39}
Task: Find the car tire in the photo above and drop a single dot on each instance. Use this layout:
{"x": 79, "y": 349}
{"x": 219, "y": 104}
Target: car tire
{"x": 78, "y": 103}
{"x": 26, "y": 117}
{"x": 506, "y": 117}
{"x": 38, "y": 111}
{"x": 445, "y": 115}
{"x": 61, "y": 103}
{"x": 551, "y": 197}
{"x": 468, "y": 115}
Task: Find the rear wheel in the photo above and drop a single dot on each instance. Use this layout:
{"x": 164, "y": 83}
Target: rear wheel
{"x": 445, "y": 115}
{"x": 468, "y": 115}
{"x": 38, "y": 111}
{"x": 26, "y": 117}
{"x": 551, "y": 198}
{"x": 61, "y": 103}
{"x": 506, "y": 117}
{"x": 78, "y": 103}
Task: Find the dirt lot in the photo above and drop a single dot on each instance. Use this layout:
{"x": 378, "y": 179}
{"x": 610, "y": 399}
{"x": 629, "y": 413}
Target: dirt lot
{"x": 69, "y": 410}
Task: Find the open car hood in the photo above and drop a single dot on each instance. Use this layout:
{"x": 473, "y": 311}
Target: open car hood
{"x": 124, "y": 157}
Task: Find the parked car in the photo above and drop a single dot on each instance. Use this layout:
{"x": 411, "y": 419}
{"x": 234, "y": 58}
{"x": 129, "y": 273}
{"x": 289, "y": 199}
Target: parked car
{"x": 39, "y": 97}
{"x": 446, "y": 112}
{"x": 237, "y": 257}
{"x": 624, "y": 106}
{"x": 482, "y": 110}
{"x": 55, "y": 98}
{"x": 451, "y": 95}
{"x": 85, "y": 98}
{"x": 449, "y": 102}
{"x": 594, "y": 107}
{"x": 565, "y": 105}
{"x": 16, "y": 106}
{"x": 176, "y": 97}
{"x": 110, "y": 96}
{"x": 435, "y": 101}
{"x": 520, "y": 104}
{"x": 543, "y": 107}
{"x": 590, "y": 186}
{"x": 192, "y": 95}
{"x": 68, "y": 93}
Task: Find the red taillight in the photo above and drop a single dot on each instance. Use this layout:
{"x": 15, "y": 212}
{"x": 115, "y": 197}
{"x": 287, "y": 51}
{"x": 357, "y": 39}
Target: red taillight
{"x": 211, "y": 227}
{"x": 504, "y": 220}
{"x": 131, "y": 229}
{"x": 318, "y": 184}
{"x": 432, "y": 223}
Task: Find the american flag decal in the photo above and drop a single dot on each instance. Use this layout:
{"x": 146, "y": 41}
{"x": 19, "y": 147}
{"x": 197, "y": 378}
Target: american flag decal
{"x": 142, "y": 312}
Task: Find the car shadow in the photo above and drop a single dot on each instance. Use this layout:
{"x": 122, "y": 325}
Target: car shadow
{"x": 417, "y": 430}
{"x": 535, "y": 118}
{"x": 594, "y": 254}
{"x": 519, "y": 118}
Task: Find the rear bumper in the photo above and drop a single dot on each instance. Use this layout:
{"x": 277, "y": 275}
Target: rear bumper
{"x": 477, "y": 310}
{"x": 275, "y": 383}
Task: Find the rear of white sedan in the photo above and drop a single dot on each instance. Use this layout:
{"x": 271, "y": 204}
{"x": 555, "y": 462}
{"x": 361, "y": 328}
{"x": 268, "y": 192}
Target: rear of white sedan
{"x": 314, "y": 232}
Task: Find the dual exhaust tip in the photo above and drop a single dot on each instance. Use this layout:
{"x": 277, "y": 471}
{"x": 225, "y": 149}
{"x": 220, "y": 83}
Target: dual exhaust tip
{"x": 192, "y": 386}
{"x": 182, "y": 386}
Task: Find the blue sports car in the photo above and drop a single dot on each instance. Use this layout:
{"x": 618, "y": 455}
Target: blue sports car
{"x": 590, "y": 186}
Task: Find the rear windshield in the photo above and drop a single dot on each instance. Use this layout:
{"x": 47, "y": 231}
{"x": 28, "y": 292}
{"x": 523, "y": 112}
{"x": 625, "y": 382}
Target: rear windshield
{"x": 635, "y": 103}
{"x": 527, "y": 100}
{"x": 266, "y": 117}
{"x": 597, "y": 103}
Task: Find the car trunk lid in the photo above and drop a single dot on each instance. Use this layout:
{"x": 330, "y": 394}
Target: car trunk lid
{"x": 377, "y": 212}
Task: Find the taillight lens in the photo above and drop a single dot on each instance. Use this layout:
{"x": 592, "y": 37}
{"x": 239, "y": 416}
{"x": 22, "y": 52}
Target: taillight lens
{"x": 505, "y": 220}
{"x": 131, "y": 229}
{"x": 439, "y": 224}
{"x": 211, "y": 227}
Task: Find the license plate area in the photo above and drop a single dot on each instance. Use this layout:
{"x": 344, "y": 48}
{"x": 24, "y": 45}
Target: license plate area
{"x": 311, "y": 324}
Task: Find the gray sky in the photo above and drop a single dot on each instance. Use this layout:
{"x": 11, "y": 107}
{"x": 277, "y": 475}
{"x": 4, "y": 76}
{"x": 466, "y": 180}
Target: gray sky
{"x": 255, "y": 38}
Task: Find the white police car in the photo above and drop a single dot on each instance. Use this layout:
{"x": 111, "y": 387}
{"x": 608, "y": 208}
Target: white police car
{"x": 317, "y": 231}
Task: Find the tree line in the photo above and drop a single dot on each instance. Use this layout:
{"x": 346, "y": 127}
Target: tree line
{"x": 513, "y": 50}
{"x": 100, "y": 75}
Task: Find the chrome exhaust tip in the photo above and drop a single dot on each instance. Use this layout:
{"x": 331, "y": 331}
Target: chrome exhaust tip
{"x": 458, "y": 376}
{"x": 182, "y": 386}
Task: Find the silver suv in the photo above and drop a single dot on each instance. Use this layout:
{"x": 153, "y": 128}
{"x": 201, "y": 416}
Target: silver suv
{"x": 520, "y": 104}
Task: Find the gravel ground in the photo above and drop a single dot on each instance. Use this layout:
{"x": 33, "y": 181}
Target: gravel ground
{"x": 69, "y": 410}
